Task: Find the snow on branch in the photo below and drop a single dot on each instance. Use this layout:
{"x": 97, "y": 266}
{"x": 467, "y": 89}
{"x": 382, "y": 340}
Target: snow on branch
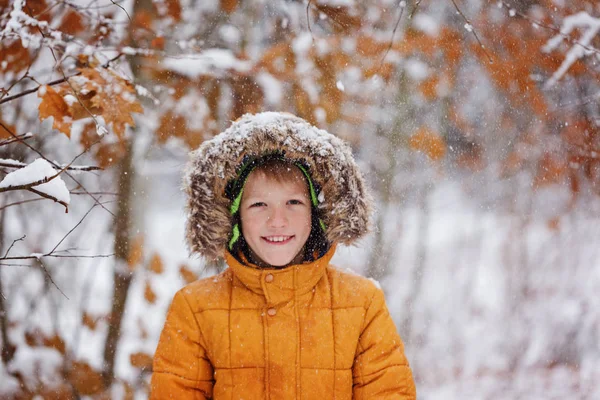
{"x": 38, "y": 177}
{"x": 590, "y": 27}
{"x": 9, "y": 163}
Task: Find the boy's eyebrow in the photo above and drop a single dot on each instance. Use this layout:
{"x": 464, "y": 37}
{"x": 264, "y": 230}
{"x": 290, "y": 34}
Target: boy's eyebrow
{"x": 254, "y": 196}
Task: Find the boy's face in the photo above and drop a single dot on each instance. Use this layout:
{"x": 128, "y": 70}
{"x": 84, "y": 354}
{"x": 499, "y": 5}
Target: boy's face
{"x": 276, "y": 218}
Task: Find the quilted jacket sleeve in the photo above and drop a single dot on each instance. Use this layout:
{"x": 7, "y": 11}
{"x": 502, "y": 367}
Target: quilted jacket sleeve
{"x": 381, "y": 370}
{"x": 181, "y": 368}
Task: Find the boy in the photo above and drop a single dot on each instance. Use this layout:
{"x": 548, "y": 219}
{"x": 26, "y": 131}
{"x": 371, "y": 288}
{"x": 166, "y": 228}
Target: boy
{"x": 274, "y": 196}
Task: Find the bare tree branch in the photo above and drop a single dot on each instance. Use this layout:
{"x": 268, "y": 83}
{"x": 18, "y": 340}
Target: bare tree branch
{"x": 47, "y": 196}
{"x": 18, "y": 203}
{"x": 38, "y": 256}
{"x": 68, "y": 168}
{"x": 19, "y": 138}
{"x": 56, "y": 82}
{"x": 472, "y": 30}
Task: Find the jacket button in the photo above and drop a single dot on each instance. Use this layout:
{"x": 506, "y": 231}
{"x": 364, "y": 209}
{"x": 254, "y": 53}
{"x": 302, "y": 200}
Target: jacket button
{"x": 271, "y": 312}
{"x": 269, "y": 278}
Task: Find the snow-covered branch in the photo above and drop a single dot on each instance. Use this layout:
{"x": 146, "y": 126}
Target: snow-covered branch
{"x": 589, "y": 26}
{"x": 38, "y": 177}
{"x": 8, "y": 163}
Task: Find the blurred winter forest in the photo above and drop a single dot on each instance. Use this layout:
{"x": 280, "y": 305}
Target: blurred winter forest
{"x": 475, "y": 122}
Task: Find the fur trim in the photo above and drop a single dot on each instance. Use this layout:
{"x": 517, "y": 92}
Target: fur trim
{"x": 344, "y": 202}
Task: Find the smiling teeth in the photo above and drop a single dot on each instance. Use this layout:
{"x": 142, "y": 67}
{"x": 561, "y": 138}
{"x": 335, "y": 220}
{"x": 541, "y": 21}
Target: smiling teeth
{"x": 277, "y": 238}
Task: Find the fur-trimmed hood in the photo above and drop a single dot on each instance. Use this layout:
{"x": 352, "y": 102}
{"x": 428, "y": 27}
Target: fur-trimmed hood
{"x": 344, "y": 203}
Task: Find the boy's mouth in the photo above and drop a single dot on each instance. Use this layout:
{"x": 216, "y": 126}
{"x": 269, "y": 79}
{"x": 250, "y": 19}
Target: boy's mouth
{"x": 277, "y": 239}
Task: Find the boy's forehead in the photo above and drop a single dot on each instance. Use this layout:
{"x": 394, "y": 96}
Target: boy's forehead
{"x": 259, "y": 183}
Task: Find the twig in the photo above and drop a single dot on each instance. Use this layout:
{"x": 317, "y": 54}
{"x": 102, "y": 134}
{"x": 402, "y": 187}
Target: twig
{"x": 39, "y": 256}
{"x": 472, "y": 29}
{"x": 72, "y": 229}
{"x": 98, "y": 193}
{"x": 121, "y": 7}
{"x": 25, "y": 75}
{"x": 69, "y": 168}
{"x": 13, "y": 243}
{"x": 7, "y": 129}
{"x": 18, "y": 203}
{"x": 402, "y": 5}
{"x": 50, "y": 278}
{"x": 97, "y": 201}
{"x": 33, "y": 90}
{"x": 19, "y": 138}
{"x": 308, "y": 19}
{"x": 81, "y": 256}
{"x": 90, "y": 194}
{"x": 415, "y": 9}
{"x": 47, "y": 196}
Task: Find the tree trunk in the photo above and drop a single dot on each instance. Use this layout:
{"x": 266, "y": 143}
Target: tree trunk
{"x": 122, "y": 276}
{"x": 8, "y": 350}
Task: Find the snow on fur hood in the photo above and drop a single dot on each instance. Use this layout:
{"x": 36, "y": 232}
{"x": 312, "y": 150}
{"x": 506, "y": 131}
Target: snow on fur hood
{"x": 344, "y": 203}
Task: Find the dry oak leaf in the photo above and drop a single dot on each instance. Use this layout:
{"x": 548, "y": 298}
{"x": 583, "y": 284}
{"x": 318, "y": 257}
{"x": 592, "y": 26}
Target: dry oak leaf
{"x": 229, "y": 6}
{"x": 149, "y": 294}
{"x": 4, "y": 134}
{"x": 72, "y": 23}
{"x": 53, "y": 105}
{"x": 187, "y": 275}
{"x": 16, "y": 56}
{"x": 550, "y": 170}
{"x": 156, "y": 264}
{"x": 428, "y": 142}
{"x": 89, "y": 135}
{"x": 84, "y": 379}
{"x": 112, "y": 95}
{"x": 55, "y": 342}
{"x": 141, "y": 360}
{"x": 136, "y": 252}
{"x": 89, "y": 321}
{"x": 108, "y": 154}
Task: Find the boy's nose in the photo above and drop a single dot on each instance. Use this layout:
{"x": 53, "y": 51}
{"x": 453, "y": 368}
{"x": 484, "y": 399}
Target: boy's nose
{"x": 277, "y": 219}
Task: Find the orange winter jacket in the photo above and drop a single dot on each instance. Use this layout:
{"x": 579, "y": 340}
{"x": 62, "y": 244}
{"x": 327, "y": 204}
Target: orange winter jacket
{"x": 307, "y": 331}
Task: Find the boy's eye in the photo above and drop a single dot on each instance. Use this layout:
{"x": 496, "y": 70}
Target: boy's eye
{"x": 258, "y": 204}
{"x": 295, "y": 202}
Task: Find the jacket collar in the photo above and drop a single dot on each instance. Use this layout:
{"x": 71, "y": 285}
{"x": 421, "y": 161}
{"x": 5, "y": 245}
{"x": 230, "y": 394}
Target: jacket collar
{"x": 287, "y": 282}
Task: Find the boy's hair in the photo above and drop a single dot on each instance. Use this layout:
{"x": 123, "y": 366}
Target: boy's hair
{"x": 282, "y": 170}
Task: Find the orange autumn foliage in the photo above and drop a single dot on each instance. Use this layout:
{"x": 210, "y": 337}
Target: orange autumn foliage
{"x": 429, "y": 143}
